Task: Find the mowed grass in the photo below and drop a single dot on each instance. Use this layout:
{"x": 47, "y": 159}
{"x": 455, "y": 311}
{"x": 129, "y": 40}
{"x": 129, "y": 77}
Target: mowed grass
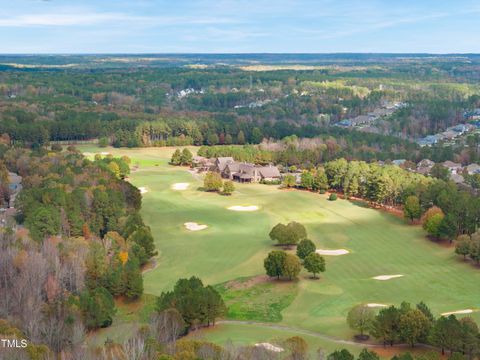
{"x": 241, "y": 334}
{"x": 236, "y": 243}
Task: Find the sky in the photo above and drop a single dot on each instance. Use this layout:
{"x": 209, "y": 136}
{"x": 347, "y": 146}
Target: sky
{"x": 239, "y": 26}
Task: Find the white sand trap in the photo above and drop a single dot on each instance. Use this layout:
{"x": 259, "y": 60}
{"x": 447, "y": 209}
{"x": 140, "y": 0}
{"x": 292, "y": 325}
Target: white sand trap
{"x": 332, "y": 252}
{"x": 193, "y": 226}
{"x": 243, "y": 208}
{"x": 386, "y": 277}
{"x": 143, "y": 190}
{"x": 180, "y": 186}
{"x": 375, "y": 305}
{"x": 465, "y": 311}
{"x": 104, "y": 153}
{"x": 270, "y": 347}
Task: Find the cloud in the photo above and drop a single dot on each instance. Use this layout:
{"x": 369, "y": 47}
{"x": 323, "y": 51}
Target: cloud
{"x": 72, "y": 18}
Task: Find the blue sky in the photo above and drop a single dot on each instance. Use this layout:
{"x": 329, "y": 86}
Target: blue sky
{"x": 239, "y": 26}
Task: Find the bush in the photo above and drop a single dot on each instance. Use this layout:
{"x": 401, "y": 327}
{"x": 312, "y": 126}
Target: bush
{"x": 103, "y": 142}
{"x": 56, "y": 147}
{"x": 332, "y": 197}
{"x": 228, "y": 187}
{"x": 212, "y": 182}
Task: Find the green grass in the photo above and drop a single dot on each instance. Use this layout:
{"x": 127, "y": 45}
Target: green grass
{"x": 261, "y": 302}
{"x": 240, "y": 334}
{"x": 236, "y": 243}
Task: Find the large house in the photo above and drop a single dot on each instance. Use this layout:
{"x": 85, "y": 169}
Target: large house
{"x": 246, "y": 172}
{"x": 452, "y": 167}
{"x": 424, "y": 166}
{"x": 473, "y": 169}
{"x": 221, "y": 163}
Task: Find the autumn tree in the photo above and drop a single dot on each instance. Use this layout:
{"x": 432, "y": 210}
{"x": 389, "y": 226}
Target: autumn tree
{"x": 291, "y": 266}
{"x": 289, "y": 181}
{"x": 212, "y": 181}
{"x": 297, "y": 347}
{"x": 228, "y": 188}
{"x": 361, "y": 318}
{"x": 413, "y": 326}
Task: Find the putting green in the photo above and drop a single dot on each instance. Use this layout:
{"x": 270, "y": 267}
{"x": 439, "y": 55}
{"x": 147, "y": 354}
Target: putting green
{"x": 235, "y": 244}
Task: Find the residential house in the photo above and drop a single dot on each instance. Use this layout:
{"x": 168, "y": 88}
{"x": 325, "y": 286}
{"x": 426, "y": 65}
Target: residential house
{"x": 246, "y": 172}
{"x": 473, "y": 169}
{"x": 399, "y": 162}
{"x": 424, "y": 166}
{"x": 202, "y": 163}
{"x": 221, "y": 163}
{"x": 457, "y": 178}
{"x": 427, "y": 140}
{"x": 452, "y": 167}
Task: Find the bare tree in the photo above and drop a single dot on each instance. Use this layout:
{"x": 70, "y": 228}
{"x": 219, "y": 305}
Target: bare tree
{"x": 167, "y": 326}
{"x": 135, "y": 348}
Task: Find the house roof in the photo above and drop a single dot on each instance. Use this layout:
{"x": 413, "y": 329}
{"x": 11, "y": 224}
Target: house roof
{"x": 451, "y": 165}
{"x": 232, "y": 167}
{"x": 456, "y": 178}
{"x": 425, "y": 163}
{"x": 269, "y": 171}
{"x": 473, "y": 168}
{"x": 223, "y": 161}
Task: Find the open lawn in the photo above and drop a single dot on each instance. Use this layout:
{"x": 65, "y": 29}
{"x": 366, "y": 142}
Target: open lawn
{"x": 235, "y": 244}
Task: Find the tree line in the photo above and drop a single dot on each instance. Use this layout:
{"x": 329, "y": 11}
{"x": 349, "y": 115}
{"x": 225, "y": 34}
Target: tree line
{"x": 416, "y": 324}
{"x": 79, "y": 243}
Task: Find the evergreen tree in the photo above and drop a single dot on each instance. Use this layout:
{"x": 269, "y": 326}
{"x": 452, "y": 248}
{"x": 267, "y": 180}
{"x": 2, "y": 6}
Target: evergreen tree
{"x": 143, "y": 237}
{"x": 133, "y": 281}
{"x": 176, "y": 157}
{"x": 97, "y": 307}
{"x": 186, "y": 157}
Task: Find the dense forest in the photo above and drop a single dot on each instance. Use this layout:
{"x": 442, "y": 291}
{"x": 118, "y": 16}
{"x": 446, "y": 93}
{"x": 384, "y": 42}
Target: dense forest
{"x": 233, "y": 104}
{"x": 85, "y": 245}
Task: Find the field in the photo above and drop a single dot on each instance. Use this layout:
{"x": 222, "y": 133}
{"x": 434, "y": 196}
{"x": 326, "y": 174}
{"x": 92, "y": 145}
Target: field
{"x": 235, "y": 243}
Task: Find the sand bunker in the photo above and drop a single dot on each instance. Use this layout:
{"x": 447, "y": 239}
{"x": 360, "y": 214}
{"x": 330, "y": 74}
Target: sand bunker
{"x": 143, "y": 190}
{"x": 374, "y": 305}
{"x": 180, "y": 186}
{"x": 193, "y": 226}
{"x": 270, "y": 347}
{"x": 465, "y": 311}
{"x": 243, "y": 208}
{"x": 104, "y": 153}
{"x": 332, "y": 252}
{"x": 386, "y": 277}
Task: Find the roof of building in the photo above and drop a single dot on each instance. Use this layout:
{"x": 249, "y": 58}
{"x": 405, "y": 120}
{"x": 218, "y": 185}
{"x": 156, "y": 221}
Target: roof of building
{"x": 269, "y": 171}
{"x": 425, "y": 163}
{"x": 223, "y": 161}
{"x": 232, "y": 167}
{"x": 456, "y": 178}
{"x": 473, "y": 169}
{"x": 451, "y": 165}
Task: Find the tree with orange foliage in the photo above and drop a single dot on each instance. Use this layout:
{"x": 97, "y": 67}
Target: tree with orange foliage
{"x": 86, "y": 231}
{"x": 123, "y": 256}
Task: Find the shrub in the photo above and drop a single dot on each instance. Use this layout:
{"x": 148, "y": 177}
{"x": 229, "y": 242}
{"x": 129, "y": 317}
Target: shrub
{"x": 332, "y": 197}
